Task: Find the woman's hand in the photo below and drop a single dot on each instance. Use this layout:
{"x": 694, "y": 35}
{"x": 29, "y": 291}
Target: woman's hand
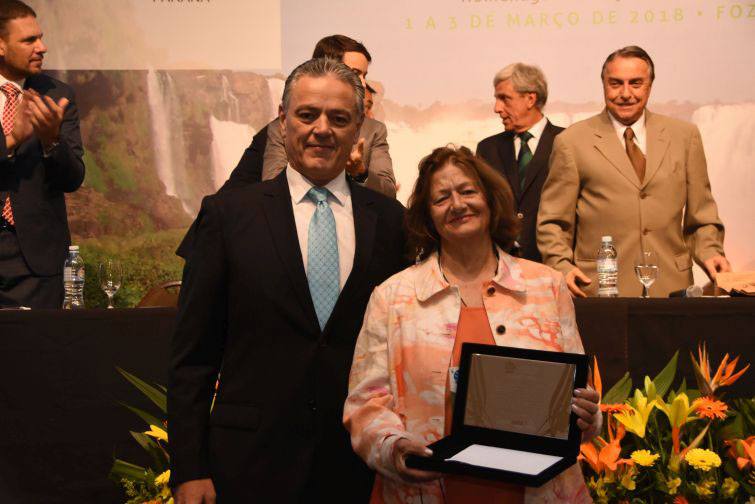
{"x": 585, "y": 406}
{"x": 401, "y": 449}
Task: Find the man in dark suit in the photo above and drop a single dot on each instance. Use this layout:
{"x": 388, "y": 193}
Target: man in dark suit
{"x": 274, "y": 293}
{"x": 370, "y": 163}
{"x": 40, "y": 159}
{"x": 521, "y": 152}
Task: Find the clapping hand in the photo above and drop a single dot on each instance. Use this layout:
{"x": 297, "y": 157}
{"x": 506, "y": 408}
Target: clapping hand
{"x": 22, "y": 127}
{"x": 355, "y": 165}
{"x": 45, "y": 116}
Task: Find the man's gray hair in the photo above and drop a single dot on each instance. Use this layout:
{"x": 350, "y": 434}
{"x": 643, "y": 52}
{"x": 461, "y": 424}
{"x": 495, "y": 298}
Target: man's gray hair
{"x": 525, "y": 79}
{"x": 321, "y": 67}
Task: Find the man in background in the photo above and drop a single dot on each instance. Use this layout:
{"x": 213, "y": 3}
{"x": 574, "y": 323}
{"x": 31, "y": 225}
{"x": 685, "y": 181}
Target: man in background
{"x": 635, "y": 175}
{"x": 522, "y": 151}
{"x": 370, "y": 163}
{"x": 40, "y": 159}
{"x": 275, "y": 291}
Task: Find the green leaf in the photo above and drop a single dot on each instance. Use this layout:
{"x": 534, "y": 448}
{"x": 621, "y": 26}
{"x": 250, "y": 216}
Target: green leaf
{"x": 159, "y": 458}
{"x": 152, "y": 393}
{"x": 682, "y": 388}
{"x": 147, "y": 417}
{"x": 733, "y": 428}
{"x": 122, "y": 469}
{"x": 693, "y": 394}
{"x": 619, "y": 392}
{"x": 665, "y": 378}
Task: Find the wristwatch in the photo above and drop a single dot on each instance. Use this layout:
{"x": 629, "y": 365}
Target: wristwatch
{"x": 47, "y": 151}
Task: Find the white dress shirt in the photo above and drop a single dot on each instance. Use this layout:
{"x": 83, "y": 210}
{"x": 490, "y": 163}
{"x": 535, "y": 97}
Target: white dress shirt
{"x": 339, "y": 200}
{"x": 536, "y": 131}
{"x": 640, "y": 133}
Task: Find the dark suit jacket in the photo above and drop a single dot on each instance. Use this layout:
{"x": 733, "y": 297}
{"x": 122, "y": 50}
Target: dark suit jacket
{"x": 247, "y": 172}
{"x": 498, "y": 151}
{"x": 275, "y": 432}
{"x": 36, "y": 184}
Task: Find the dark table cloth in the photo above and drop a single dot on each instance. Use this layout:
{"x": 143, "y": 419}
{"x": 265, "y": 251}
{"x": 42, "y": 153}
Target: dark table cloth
{"x": 61, "y": 423}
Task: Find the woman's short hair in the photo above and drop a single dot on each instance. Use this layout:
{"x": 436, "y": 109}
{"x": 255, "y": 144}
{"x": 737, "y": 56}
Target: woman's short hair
{"x": 422, "y": 236}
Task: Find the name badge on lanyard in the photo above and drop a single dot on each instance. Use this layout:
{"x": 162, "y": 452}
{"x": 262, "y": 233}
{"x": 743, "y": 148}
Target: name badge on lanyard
{"x": 453, "y": 378}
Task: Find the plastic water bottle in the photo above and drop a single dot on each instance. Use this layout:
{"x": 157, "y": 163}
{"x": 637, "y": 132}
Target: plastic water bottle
{"x": 608, "y": 269}
{"x": 73, "y": 279}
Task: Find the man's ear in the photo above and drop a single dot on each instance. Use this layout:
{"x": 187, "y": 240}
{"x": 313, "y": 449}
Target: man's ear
{"x": 282, "y": 120}
{"x": 531, "y": 100}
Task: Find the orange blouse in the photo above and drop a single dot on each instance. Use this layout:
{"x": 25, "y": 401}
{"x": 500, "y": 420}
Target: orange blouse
{"x": 474, "y": 327}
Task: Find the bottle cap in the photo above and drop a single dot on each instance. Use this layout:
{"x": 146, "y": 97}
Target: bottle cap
{"x": 606, "y": 238}
{"x": 73, "y": 248}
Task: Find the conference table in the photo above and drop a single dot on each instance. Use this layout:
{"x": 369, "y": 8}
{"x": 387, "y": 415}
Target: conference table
{"x": 62, "y": 421}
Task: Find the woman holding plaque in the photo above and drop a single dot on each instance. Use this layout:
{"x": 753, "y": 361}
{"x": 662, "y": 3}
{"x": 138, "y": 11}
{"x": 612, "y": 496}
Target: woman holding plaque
{"x": 463, "y": 288}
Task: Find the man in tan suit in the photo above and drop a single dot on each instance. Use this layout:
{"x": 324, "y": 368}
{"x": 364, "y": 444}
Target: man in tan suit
{"x": 637, "y": 176}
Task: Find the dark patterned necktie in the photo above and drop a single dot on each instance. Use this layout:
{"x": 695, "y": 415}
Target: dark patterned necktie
{"x": 525, "y": 156}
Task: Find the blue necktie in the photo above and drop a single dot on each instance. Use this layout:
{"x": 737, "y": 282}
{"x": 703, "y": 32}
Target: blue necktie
{"x": 323, "y": 272}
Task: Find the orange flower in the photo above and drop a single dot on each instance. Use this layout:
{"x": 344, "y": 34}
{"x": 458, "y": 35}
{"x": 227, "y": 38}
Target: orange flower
{"x": 724, "y": 376}
{"x": 614, "y": 408}
{"x": 594, "y": 381}
{"x": 602, "y": 455}
{"x": 710, "y": 408}
{"x": 680, "y": 500}
{"x": 742, "y": 451}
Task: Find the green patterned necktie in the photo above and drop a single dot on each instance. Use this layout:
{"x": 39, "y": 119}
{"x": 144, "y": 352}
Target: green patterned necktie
{"x": 525, "y": 156}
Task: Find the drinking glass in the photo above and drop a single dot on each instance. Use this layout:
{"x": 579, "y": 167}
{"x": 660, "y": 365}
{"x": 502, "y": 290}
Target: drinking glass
{"x": 646, "y": 269}
{"x": 111, "y": 276}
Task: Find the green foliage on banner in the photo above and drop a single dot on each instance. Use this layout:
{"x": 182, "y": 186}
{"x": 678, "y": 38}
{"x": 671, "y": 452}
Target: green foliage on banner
{"x": 147, "y": 260}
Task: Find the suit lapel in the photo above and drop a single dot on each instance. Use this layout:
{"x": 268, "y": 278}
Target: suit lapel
{"x": 540, "y": 159}
{"x": 280, "y": 219}
{"x": 365, "y": 222}
{"x": 657, "y": 144}
{"x": 608, "y": 143}
{"x": 508, "y": 162}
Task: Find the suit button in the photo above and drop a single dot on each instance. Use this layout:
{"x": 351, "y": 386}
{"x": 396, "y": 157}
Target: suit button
{"x": 645, "y": 231}
{"x": 501, "y": 329}
{"x": 643, "y": 195}
{"x": 312, "y": 405}
{"x": 520, "y": 215}
{"x": 491, "y": 291}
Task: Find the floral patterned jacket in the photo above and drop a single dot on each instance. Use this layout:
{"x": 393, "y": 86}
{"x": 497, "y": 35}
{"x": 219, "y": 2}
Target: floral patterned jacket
{"x": 398, "y": 377}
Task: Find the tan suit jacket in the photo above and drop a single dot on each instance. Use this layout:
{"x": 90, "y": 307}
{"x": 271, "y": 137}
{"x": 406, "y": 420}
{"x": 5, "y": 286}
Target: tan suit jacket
{"x": 592, "y": 190}
{"x": 376, "y": 157}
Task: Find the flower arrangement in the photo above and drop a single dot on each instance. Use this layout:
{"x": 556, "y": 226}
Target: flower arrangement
{"x": 682, "y": 445}
{"x": 147, "y": 485}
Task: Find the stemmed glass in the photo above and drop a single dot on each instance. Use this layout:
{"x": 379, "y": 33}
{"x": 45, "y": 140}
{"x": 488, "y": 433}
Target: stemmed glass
{"x": 111, "y": 276}
{"x": 646, "y": 269}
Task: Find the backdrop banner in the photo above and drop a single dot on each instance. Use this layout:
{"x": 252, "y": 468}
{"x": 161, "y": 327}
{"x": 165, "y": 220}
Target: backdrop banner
{"x": 172, "y": 91}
